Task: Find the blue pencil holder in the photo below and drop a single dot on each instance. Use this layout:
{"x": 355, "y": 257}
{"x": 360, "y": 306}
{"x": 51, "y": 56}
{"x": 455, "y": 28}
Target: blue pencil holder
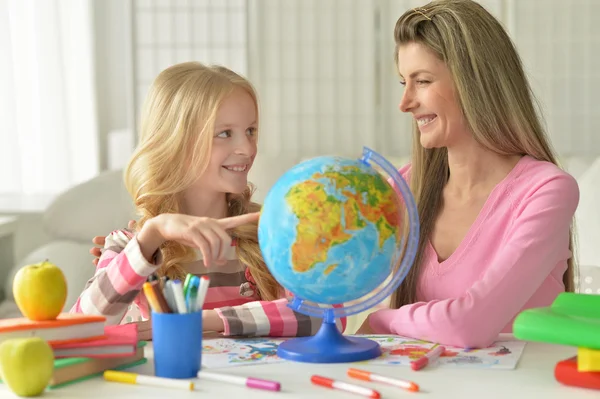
{"x": 177, "y": 344}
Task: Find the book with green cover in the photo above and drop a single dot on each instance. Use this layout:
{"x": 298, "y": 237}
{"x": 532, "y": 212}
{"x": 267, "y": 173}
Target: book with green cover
{"x": 97, "y": 374}
{"x": 70, "y": 370}
{"x": 572, "y": 319}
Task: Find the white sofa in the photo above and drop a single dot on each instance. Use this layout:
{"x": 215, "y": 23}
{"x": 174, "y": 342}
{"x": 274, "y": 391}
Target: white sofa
{"x": 93, "y": 208}
{"x": 102, "y": 204}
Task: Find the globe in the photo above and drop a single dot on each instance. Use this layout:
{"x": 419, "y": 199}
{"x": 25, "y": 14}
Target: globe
{"x": 335, "y": 224}
{"x": 332, "y": 232}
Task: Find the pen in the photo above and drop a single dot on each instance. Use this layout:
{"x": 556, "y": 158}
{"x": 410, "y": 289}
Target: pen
{"x": 250, "y": 382}
{"x": 430, "y": 356}
{"x": 344, "y": 386}
{"x": 132, "y": 378}
{"x": 368, "y": 376}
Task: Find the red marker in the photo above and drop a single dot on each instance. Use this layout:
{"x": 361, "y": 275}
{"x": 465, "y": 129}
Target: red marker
{"x": 343, "y": 386}
{"x": 430, "y": 356}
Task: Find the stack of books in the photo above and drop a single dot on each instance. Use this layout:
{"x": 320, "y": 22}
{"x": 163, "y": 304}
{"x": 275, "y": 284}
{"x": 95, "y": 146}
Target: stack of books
{"x": 83, "y": 346}
{"x": 573, "y": 320}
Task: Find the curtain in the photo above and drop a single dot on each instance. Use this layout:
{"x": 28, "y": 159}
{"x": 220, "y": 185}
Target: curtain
{"x": 48, "y": 120}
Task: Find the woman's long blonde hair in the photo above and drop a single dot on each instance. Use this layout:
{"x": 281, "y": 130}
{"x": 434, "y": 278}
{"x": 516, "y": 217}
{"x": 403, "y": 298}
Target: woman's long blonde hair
{"x": 177, "y": 126}
{"x": 496, "y": 101}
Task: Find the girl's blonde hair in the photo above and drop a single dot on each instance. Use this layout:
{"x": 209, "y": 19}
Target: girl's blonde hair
{"x": 496, "y": 101}
{"x": 177, "y": 126}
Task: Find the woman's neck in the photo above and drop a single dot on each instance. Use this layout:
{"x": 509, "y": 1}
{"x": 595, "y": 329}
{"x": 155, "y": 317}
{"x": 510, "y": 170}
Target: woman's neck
{"x": 476, "y": 170}
{"x": 200, "y": 203}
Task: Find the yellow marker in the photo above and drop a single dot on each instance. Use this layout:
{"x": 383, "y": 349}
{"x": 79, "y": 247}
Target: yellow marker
{"x": 588, "y": 359}
{"x": 132, "y": 378}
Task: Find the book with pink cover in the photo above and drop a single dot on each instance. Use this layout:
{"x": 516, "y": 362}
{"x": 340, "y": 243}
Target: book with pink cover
{"x": 119, "y": 341}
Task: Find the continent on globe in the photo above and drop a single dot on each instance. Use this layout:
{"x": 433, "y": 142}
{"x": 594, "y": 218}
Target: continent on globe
{"x": 332, "y": 206}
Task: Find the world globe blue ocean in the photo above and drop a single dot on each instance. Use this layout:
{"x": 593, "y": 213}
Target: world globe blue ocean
{"x": 329, "y": 230}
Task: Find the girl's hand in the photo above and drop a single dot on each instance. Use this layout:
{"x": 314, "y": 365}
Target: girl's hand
{"x": 211, "y": 321}
{"x": 144, "y": 330}
{"x": 207, "y": 234}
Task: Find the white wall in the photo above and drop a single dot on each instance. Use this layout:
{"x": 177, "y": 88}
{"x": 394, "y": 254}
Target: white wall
{"x": 112, "y": 24}
{"x": 324, "y": 68}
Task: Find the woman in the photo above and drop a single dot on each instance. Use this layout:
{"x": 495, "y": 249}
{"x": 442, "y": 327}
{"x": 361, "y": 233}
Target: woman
{"x": 494, "y": 208}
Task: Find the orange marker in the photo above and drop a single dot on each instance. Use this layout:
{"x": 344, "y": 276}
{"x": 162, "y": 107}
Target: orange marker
{"x": 368, "y": 376}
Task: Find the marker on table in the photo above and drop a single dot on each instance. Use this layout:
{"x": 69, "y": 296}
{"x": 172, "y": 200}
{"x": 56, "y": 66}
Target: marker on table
{"x": 430, "y": 356}
{"x": 368, "y": 376}
{"x": 250, "y": 382}
{"x": 132, "y": 378}
{"x": 344, "y": 386}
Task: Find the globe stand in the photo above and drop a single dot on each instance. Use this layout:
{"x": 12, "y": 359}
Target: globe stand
{"x": 328, "y": 346}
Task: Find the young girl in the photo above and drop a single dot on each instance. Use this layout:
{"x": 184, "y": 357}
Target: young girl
{"x": 188, "y": 180}
{"x": 495, "y": 209}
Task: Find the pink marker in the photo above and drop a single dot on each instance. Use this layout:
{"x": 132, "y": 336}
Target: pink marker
{"x": 250, "y": 382}
{"x": 430, "y": 356}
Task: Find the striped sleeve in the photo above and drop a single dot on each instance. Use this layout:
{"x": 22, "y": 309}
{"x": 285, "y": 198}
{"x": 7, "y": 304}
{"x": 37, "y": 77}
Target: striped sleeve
{"x": 119, "y": 276}
{"x": 270, "y": 318}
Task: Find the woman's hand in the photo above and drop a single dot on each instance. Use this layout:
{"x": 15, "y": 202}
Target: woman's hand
{"x": 209, "y": 235}
{"x": 365, "y": 328}
{"x": 100, "y": 241}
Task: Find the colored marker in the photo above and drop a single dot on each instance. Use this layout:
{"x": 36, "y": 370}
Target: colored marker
{"x": 179, "y": 297}
{"x": 132, "y": 378}
{"x": 151, "y": 297}
{"x": 191, "y": 294}
{"x": 343, "y": 386}
{"x": 170, "y": 296}
{"x": 186, "y": 284}
{"x": 158, "y": 294}
{"x": 250, "y": 382}
{"x": 429, "y": 357}
{"x": 368, "y": 376}
{"x": 202, "y": 290}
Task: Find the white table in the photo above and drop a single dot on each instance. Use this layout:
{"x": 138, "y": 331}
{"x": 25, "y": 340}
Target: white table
{"x": 533, "y": 378}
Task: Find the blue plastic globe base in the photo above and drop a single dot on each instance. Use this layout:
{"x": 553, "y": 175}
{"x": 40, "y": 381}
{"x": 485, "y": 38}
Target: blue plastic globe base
{"x": 328, "y": 346}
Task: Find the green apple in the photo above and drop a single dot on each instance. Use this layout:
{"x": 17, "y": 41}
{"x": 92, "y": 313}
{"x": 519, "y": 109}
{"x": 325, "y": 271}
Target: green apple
{"x": 40, "y": 291}
{"x": 26, "y": 365}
